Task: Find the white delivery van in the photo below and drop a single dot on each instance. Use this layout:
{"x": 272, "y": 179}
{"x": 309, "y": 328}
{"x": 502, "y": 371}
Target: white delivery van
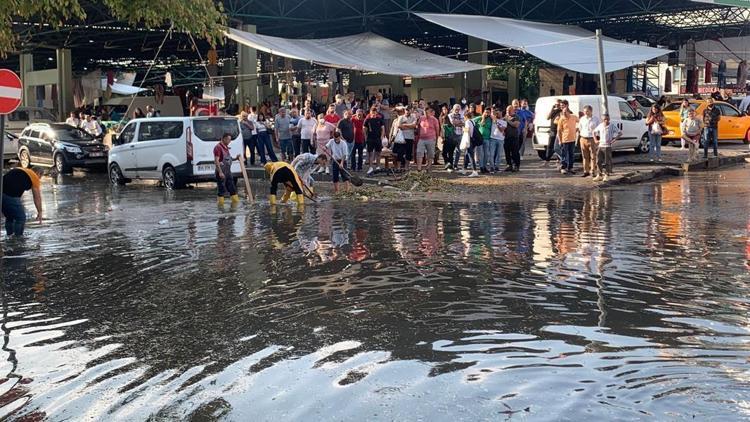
{"x": 174, "y": 150}
{"x": 634, "y": 130}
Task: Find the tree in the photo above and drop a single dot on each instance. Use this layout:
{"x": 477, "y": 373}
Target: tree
{"x": 204, "y": 18}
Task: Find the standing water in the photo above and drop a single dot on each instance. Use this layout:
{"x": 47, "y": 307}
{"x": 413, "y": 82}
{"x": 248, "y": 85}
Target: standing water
{"x": 621, "y": 304}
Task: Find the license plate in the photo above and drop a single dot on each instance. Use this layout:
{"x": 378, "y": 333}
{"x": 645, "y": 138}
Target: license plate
{"x": 205, "y": 168}
{"x": 96, "y": 154}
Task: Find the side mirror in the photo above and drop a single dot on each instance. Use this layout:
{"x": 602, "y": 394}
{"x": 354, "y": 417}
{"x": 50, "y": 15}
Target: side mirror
{"x": 116, "y": 140}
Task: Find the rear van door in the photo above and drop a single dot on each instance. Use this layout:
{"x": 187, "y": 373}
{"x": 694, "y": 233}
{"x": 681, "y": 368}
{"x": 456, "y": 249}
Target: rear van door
{"x": 205, "y": 135}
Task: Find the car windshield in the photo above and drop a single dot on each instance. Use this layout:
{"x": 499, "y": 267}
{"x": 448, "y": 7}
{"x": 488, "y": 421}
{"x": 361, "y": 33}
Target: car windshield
{"x": 70, "y": 134}
{"x": 213, "y": 129}
{"x": 676, "y": 106}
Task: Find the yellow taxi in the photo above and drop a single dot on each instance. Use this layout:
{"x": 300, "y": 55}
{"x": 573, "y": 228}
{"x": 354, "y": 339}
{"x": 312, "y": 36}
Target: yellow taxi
{"x": 733, "y": 125}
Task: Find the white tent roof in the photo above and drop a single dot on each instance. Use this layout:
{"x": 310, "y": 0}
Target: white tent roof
{"x": 565, "y": 46}
{"x": 366, "y": 51}
{"x": 122, "y": 89}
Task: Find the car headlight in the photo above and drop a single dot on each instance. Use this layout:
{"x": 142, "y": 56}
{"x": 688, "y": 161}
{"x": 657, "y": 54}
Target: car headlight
{"x": 73, "y": 149}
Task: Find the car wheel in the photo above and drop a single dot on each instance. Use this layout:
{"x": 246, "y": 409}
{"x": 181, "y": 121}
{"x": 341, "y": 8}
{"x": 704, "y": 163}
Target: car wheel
{"x": 642, "y": 147}
{"x": 170, "y": 178}
{"x": 60, "y": 165}
{"x": 115, "y": 175}
{"x": 24, "y": 158}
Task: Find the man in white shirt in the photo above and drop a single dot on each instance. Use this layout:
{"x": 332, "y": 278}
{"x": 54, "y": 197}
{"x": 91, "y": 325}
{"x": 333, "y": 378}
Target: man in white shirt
{"x": 338, "y": 150}
{"x": 306, "y": 128}
{"x": 91, "y": 126}
{"x": 73, "y": 120}
{"x": 586, "y": 125}
{"x": 607, "y": 134}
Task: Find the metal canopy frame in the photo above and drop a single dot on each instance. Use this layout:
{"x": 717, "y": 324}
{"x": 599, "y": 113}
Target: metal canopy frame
{"x": 664, "y": 22}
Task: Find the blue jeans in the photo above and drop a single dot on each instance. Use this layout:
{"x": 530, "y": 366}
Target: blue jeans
{"x": 265, "y": 146}
{"x": 468, "y": 158}
{"x": 494, "y": 154}
{"x": 710, "y": 135}
{"x": 481, "y": 152}
{"x": 568, "y": 155}
{"x": 15, "y": 215}
{"x": 654, "y": 146}
{"x": 287, "y": 148}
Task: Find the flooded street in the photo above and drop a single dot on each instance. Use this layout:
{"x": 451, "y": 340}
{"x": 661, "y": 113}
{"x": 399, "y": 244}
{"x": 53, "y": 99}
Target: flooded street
{"x": 622, "y": 304}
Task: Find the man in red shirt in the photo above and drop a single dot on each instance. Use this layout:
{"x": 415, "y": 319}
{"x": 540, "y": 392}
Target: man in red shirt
{"x": 331, "y": 116}
{"x": 223, "y": 165}
{"x": 358, "y": 121}
{"x": 429, "y": 130}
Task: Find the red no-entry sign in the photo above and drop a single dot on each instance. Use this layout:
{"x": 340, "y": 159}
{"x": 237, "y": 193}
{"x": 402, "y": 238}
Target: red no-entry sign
{"x": 11, "y": 91}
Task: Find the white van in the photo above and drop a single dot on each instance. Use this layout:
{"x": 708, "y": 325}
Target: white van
{"x": 174, "y": 150}
{"x": 634, "y": 130}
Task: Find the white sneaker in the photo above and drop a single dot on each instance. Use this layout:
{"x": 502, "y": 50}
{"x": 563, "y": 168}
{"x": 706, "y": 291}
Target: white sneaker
{"x": 598, "y": 178}
{"x": 474, "y": 174}
{"x": 449, "y": 170}
{"x": 370, "y": 171}
{"x": 605, "y": 178}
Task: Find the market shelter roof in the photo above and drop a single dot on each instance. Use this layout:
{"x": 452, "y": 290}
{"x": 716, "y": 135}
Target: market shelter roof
{"x": 566, "y": 46}
{"x": 366, "y": 52}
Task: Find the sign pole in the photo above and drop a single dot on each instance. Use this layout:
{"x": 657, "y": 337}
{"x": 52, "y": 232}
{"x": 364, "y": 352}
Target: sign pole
{"x": 2, "y": 155}
{"x": 602, "y": 73}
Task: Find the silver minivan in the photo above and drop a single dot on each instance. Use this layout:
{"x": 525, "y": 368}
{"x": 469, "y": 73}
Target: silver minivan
{"x": 173, "y": 150}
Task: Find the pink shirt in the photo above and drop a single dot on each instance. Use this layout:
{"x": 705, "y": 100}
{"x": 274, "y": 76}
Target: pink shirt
{"x": 429, "y": 127}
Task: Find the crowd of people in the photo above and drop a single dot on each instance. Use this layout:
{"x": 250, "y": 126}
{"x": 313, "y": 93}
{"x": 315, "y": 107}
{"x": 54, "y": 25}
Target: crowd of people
{"x": 470, "y": 138}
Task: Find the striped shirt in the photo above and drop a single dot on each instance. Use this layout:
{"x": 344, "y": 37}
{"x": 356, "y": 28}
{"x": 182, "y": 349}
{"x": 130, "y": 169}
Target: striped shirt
{"x": 607, "y": 134}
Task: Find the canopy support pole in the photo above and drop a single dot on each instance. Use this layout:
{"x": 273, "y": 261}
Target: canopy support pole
{"x": 602, "y": 73}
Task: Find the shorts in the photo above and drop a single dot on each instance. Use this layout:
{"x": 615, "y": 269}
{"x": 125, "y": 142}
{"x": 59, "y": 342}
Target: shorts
{"x": 426, "y": 149}
{"x": 338, "y": 174}
{"x": 374, "y": 145}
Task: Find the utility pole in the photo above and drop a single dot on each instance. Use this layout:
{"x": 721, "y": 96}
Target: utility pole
{"x": 602, "y": 73}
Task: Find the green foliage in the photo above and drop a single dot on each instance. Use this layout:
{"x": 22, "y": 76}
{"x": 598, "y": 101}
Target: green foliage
{"x": 203, "y": 18}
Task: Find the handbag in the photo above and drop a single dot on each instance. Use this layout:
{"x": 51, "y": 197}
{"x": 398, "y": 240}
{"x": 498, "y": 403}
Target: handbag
{"x": 399, "y": 138}
{"x": 465, "y": 141}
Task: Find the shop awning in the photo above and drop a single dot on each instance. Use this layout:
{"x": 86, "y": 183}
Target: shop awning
{"x": 566, "y": 46}
{"x": 366, "y": 52}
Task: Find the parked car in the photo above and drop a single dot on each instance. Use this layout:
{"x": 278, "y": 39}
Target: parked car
{"x": 734, "y": 125}
{"x": 635, "y": 134}
{"x": 17, "y": 121}
{"x": 60, "y": 146}
{"x": 174, "y": 150}
{"x": 10, "y": 149}
{"x": 644, "y": 102}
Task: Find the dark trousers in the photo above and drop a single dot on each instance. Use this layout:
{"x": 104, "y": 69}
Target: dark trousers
{"x": 568, "y": 154}
{"x": 251, "y": 144}
{"x": 225, "y": 186}
{"x": 308, "y": 146}
{"x": 605, "y": 161}
{"x": 357, "y": 156}
{"x": 15, "y": 215}
{"x": 297, "y": 144}
{"x": 338, "y": 174}
{"x": 710, "y": 138}
{"x": 449, "y": 149}
{"x": 512, "y": 152}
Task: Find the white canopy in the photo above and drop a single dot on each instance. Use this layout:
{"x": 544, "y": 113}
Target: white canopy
{"x": 122, "y": 89}
{"x": 565, "y": 46}
{"x": 366, "y": 51}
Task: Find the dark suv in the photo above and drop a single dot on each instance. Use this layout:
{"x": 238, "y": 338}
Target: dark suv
{"x": 60, "y": 146}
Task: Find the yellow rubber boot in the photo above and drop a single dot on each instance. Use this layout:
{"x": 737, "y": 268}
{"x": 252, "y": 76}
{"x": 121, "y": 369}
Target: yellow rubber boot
{"x": 300, "y": 200}
{"x": 235, "y": 199}
{"x": 220, "y": 201}
{"x": 293, "y": 196}
{"x": 285, "y": 198}
{"x": 272, "y": 199}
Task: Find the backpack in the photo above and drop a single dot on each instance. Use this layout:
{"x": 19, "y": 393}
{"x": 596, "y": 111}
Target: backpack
{"x": 477, "y": 140}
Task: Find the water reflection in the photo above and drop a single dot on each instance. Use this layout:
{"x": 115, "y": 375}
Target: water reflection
{"x": 621, "y": 303}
